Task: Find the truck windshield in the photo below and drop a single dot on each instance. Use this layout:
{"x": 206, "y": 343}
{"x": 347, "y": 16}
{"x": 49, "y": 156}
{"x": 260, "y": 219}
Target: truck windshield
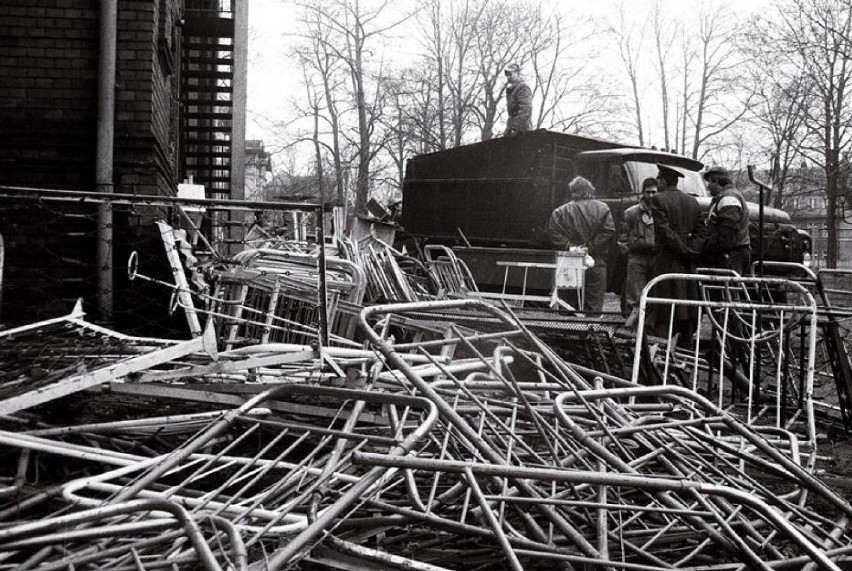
{"x": 691, "y": 183}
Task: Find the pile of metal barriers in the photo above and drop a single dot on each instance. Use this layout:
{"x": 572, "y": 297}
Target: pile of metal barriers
{"x": 452, "y": 437}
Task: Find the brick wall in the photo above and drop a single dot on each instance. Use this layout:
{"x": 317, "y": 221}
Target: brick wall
{"x": 48, "y": 90}
{"x": 48, "y": 118}
{"x": 146, "y": 98}
{"x": 48, "y": 94}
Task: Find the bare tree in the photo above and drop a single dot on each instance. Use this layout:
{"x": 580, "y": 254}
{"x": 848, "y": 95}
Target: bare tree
{"x": 449, "y": 32}
{"x": 424, "y": 108}
{"x": 400, "y": 122}
{"x": 503, "y": 33}
{"x": 348, "y": 31}
{"x": 781, "y": 96}
{"x": 321, "y": 63}
{"x": 435, "y": 58}
{"x": 318, "y": 156}
{"x": 567, "y": 95}
{"x": 816, "y": 35}
{"x": 629, "y": 40}
{"x": 712, "y": 108}
{"x": 570, "y": 92}
{"x": 664, "y": 32}
{"x": 462, "y": 84}
{"x": 687, "y": 58}
{"x": 468, "y": 44}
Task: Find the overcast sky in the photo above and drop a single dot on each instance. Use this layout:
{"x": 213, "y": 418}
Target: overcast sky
{"x": 273, "y": 77}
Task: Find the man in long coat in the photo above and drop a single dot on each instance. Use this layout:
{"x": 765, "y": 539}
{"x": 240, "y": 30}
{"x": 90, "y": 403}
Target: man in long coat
{"x": 677, "y": 223}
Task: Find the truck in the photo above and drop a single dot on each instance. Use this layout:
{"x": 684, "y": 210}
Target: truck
{"x": 491, "y": 202}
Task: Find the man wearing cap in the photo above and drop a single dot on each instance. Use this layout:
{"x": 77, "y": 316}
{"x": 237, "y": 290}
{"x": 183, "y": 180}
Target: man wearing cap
{"x": 518, "y": 102}
{"x": 728, "y": 243}
{"x": 586, "y": 222}
{"x": 677, "y": 223}
{"x": 636, "y": 239}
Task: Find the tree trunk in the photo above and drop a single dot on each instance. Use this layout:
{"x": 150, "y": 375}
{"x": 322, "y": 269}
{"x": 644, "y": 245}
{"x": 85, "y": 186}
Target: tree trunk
{"x": 699, "y": 117}
{"x": 831, "y": 225}
{"x": 362, "y": 183}
{"x": 334, "y": 120}
{"x": 633, "y": 83}
{"x": 319, "y": 170}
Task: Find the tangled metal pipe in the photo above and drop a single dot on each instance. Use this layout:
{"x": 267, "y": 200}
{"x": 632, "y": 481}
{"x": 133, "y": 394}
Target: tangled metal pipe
{"x": 475, "y": 439}
{"x": 733, "y": 330}
{"x": 190, "y": 527}
{"x": 448, "y": 413}
{"x": 794, "y": 469}
{"x": 602, "y": 478}
{"x": 294, "y": 547}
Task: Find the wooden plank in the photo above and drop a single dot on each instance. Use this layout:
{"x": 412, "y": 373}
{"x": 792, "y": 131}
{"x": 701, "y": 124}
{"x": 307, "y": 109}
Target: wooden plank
{"x": 228, "y": 366}
{"x": 167, "y": 234}
{"x": 117, "y": 370}
{"x": 202, "y": 393}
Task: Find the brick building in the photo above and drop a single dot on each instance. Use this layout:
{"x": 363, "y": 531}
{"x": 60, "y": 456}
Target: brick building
{"x": 179, "y": 82}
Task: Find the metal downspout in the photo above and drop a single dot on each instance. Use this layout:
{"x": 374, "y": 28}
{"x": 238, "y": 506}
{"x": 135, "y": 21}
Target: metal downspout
{"x": 104, "y": 154}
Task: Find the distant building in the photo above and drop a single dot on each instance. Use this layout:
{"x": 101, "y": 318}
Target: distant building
{"x": 294, "y": 188}
{"x": 805, "y": 201}
{"x": 258, "y": 171}
{"x": 180, "y": 92}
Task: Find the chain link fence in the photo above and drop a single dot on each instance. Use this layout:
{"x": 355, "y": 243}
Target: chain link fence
{"x": 819, "y": 237}
{"x": 112, "y": 253}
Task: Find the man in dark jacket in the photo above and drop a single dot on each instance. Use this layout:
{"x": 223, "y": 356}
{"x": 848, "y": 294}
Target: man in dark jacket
{"x": 728, "y": 242}
{"x": 677, "y": 223}
{"x": 518, "y": 102}
{"x": 636, "y": 239}
{"x": 587, "y": 223}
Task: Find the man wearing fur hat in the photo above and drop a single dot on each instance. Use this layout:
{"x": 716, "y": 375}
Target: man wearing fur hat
{"x": 518, "y": 102}
{"x": 728, "y": 242}
{"x": 586, "y": 222}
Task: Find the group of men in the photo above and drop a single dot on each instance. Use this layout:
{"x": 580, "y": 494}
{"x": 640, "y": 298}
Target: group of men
{"x": 664, "y": 233}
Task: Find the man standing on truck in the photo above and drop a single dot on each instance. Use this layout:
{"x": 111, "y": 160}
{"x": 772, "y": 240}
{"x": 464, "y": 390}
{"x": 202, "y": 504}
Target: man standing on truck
{"x": 728, "y": 243}
{"x": 518, "y": 102}
{"x": 636, "y": 239}
{"x": 677, "y": 223}
{"x": 585, "y": 222}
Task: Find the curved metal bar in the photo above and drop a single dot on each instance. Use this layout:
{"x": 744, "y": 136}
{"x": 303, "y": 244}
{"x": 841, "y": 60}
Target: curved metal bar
{"x": 806, "y": 478}
{"x": 606, "y": 479}
{"x": 216, "y": 428}
{"x": 324, "y": 521}
{"x": 446, "y": 410}
{"x": 493, "y": 522}
{"x": 810, "y": 307}
{"x": 236, "y": 540}
{"x": 189, "y": 525}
